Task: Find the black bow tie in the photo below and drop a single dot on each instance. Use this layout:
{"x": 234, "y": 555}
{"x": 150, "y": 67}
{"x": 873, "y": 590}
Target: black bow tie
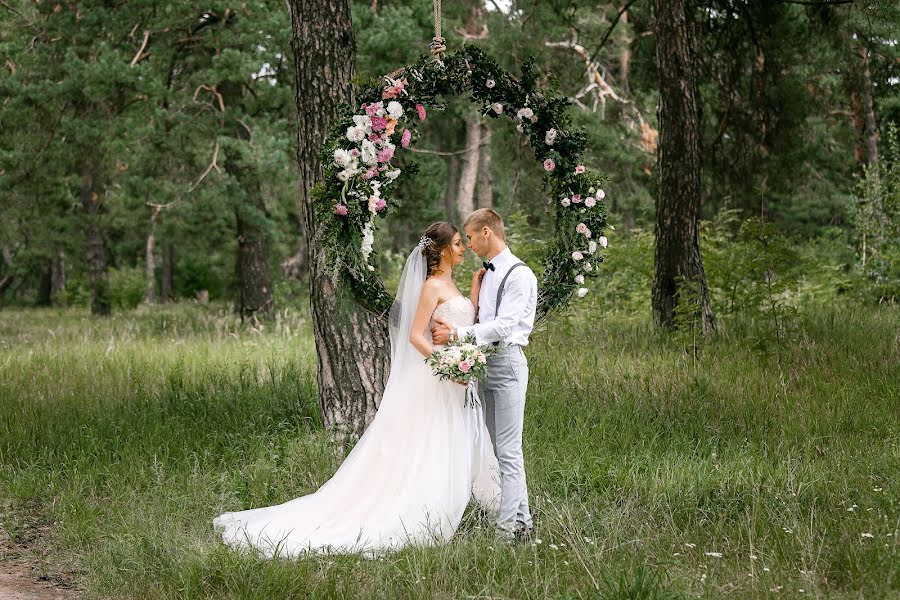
{"x": 488, "y": 265}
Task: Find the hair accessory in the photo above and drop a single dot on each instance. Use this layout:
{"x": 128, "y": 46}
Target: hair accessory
{"x": 425, "y": 241}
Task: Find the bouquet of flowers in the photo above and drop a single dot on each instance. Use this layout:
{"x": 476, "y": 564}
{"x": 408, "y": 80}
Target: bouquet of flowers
{"x": 462, "y": 361}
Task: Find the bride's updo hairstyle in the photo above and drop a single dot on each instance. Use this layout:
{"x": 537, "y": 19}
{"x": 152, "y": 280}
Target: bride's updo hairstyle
{"x": 440, "y": 235}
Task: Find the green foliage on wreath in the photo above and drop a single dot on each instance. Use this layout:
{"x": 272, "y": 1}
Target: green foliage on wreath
{"x": 427, "y": 83}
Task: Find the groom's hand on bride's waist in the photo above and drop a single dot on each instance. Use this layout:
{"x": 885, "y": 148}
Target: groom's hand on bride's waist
{"x": 440, "y": 332}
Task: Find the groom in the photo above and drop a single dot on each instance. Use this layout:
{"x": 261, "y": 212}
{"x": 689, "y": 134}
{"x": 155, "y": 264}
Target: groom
{"x": 506, "y": 308}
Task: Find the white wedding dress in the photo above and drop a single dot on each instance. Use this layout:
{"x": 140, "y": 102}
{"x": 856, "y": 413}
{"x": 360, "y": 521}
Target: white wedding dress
{"x": 406, "y": 482}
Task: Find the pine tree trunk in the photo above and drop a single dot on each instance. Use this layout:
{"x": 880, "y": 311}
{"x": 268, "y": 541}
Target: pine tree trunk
{"x": 452, "y": 186}
{"x": 93, "y": 233}
{"x": 678, "y": 195}
{"x": 254, "y": 287}
{"x": 150, "y": 259}
{"x": 485, "y": 178}
{"x": 58, "y": 279}
{"x": 868, "y": 106}
{"x": 167, "y": 288}
{"x": 46, "y": 284}
{"x": 353, "y": 344}
{"x": 625, "y": 56}
{"x": 465, "y": 195}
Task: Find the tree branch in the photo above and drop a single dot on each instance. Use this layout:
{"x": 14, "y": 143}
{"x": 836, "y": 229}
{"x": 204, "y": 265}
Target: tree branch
{"x": 212, "y": 165}
{"x": 611, "y": 27}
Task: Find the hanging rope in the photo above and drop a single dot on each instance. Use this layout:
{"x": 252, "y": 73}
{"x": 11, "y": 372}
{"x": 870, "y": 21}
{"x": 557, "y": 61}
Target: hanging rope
{"x": 438, "y": 43}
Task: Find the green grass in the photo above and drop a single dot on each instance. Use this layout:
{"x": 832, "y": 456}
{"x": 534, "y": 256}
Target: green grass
{"x": 124, "y": 437}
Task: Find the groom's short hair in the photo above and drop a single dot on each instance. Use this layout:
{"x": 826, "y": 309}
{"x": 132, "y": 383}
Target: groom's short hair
{"x": 486, "y": 217}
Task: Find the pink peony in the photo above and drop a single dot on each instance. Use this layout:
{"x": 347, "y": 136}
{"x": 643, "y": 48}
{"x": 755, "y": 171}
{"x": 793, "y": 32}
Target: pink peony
{"x": 374, "y": 138}
{"x": 378, "y": 123}
{"x": 372, "y": 109}
{"x": 579, "y": 169}
{"x": 590, "y": 201}
{"x": 380, "y": 204}
{"x": 581, "y": 228}
{"x": 576, "y": 198}
{"x": 354, "y": 153}
{"x": 405, "y": 138}
{"x": 601, "y": 194}
{"x": 421, "y": 110}
{"x": 385, "y": 154}
{"x": 370, "y": 173}
{"x": 464, "y": 366}
{"x": 549, "y": 165}
{"x": 340, "y": 210}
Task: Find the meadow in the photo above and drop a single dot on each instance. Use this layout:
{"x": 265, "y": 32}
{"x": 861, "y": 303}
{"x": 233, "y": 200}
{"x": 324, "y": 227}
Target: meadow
{"x": 654, "y": 471}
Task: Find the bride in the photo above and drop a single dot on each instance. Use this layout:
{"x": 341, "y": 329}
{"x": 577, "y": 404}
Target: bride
{"x": 425, "y": 454}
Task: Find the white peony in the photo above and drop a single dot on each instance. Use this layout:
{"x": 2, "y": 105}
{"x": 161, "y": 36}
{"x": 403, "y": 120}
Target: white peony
{"x": 362, "y": 121}
{"x": 356, "y": 134}
{"x": 395, "y": 109}
{"x": 603, "y": 241}
{"x": 369, "y": 154}
{"x": 588, "y": 266}
{"x": 341, "y": 157}
{"x": 590, "y": 202}
{"x": 392, "y": 174}
{"x": 346, "y": 174}
{"x": 565, "y": 202}
{"x": 497, "y": 107}
{"x": 592, "y": 246}
{"x": 550, "y": 137}
{"x": 579, "y": 279}
{"x": 577, "y": 255}
{"x": 525, "y": 113}
{"x": 601, "y": 194}
{"x": 582, "y": 292}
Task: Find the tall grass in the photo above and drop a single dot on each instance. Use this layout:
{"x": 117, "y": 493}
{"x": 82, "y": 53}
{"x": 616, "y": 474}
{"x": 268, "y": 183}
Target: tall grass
{"x": 653, "y": 473}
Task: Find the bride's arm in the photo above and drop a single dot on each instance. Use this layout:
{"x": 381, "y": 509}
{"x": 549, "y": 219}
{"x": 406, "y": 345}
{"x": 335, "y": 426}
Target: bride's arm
{"x": 477, "y": 276}
{"x": 428, "y": 301}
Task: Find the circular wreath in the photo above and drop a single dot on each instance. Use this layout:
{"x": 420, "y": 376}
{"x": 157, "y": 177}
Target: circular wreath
{"x": 360, "y": 178}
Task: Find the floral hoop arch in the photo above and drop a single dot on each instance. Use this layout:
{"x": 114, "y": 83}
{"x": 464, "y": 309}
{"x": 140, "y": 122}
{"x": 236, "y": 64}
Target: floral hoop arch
{"x": 359, "y": 178}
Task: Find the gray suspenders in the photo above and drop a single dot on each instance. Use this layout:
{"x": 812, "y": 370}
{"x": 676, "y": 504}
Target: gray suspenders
{"x": 500, "y": 292}
{"x": 503, "y": 284}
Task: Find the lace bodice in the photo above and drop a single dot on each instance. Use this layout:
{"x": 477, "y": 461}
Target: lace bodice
{"x": 457, "y": 311}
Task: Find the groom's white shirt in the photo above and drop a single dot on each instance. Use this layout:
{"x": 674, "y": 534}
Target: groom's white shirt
{"x": 516, "y": 319}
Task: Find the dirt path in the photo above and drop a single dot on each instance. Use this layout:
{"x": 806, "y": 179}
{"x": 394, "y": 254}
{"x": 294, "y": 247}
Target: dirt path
{"x": 20, "y": 580}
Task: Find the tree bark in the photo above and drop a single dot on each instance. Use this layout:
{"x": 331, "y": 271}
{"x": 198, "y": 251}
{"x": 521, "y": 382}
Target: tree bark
{"x": 254, "y": 286}
{"x": 93, "y": 233}
{"x": 167, "y": 288}
{"x": 45, "y": 286}
{"x": 677, "y": 261}
{"x": 353, "y": 344}
{"x": 625, "y": 56}
{"x": 868, "y": 107}
{"x": 452, "y": 186}
{"x": 58, "y": 279}
{"x": 465, "y": 195}
{"x": 150, "y": 259}
{"x": 485, "y": 178}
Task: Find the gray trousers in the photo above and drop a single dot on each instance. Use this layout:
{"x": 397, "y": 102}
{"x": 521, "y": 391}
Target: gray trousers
{"x": 502, "y": 394}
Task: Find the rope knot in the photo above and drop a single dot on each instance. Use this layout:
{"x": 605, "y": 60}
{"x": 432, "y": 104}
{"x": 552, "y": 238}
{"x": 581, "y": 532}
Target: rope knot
{"x": 438, "y": 46}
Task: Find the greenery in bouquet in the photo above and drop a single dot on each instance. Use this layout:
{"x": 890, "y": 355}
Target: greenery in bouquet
{"x": 462, "y": 361}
